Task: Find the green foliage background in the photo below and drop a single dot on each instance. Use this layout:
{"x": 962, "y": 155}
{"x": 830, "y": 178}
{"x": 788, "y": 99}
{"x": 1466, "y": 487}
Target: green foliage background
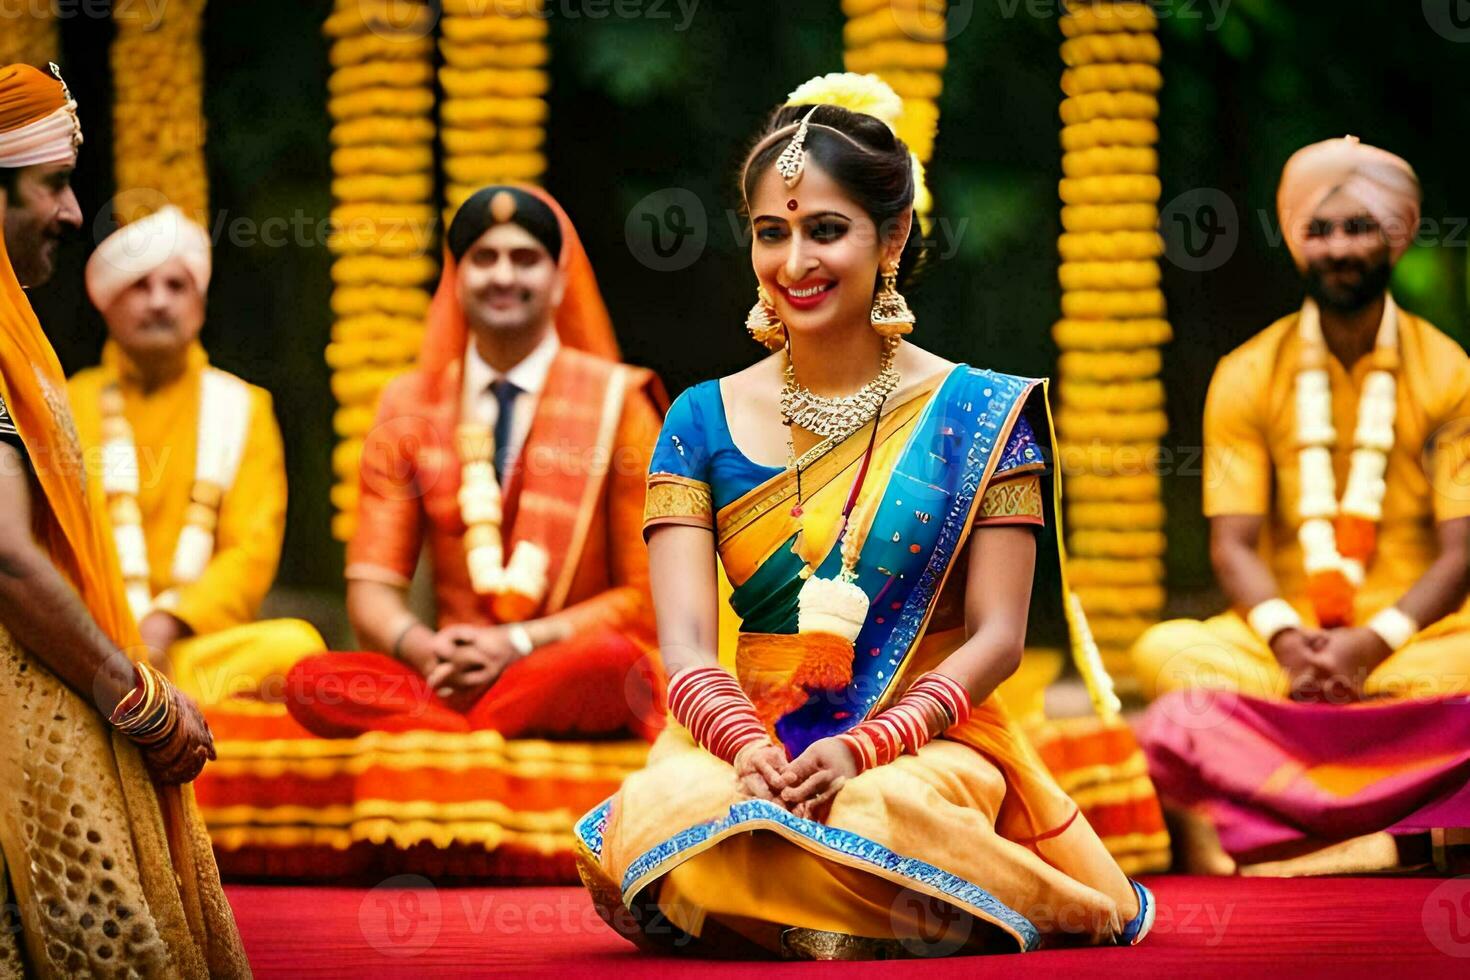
{"x": 639, "y": 106}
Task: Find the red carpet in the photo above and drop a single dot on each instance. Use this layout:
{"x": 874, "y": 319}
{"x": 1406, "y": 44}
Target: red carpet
{"x": 1207, "y": 927}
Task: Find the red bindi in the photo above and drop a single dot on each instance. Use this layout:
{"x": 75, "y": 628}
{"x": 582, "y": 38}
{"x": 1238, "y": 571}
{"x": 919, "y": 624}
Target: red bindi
{"x": 791, "y": 205}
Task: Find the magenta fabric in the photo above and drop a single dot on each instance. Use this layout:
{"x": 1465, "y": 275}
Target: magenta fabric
{"x": 1254, "y": 766}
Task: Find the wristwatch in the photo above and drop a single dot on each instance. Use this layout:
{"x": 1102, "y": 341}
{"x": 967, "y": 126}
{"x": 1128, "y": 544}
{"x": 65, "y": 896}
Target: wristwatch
{"x": 520, "y": 639}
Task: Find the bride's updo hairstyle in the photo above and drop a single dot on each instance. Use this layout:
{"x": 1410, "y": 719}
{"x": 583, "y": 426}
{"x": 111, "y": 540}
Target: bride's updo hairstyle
{"x": 857, "y": 150}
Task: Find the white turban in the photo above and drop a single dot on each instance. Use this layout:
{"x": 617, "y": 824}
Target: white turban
{"x": 134, "y": 251}
{"x": 1383, "y": 183}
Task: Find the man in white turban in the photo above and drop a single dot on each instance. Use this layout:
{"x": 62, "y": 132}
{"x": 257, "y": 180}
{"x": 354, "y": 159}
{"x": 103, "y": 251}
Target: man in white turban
{"x": 192, "y": 463}
{"x": 1340, "y": 432}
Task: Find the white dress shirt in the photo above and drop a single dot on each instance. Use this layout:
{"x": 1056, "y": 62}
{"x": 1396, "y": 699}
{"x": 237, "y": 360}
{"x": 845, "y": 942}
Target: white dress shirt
{"x": 529, "y": 376}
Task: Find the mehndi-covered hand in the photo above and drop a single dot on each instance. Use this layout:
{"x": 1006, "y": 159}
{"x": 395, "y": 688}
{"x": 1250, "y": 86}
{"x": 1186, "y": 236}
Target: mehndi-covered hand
{"x": 812, "y": 779}
{"x": 758, "y": 771}
{"x": 181, "y": 757}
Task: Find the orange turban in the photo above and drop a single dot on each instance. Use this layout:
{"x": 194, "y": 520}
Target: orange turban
{"x": 38, "y": 119}
{"x": 1385, "y": 184}
{"x": 582, "y": 320}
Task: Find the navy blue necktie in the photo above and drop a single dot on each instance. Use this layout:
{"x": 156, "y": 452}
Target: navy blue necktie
{"x": 505, "y": 392}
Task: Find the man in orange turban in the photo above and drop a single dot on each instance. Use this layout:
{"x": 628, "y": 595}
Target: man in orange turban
{"x": 513, "y": 456}
{"x": 1337, "y": 484}
{"x": 96, "y": 749}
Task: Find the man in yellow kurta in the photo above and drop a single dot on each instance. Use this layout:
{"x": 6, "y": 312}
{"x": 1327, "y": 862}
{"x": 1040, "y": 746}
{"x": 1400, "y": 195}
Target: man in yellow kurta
{"x": 192, "y": 463}
{"x": 1342, "y": 585}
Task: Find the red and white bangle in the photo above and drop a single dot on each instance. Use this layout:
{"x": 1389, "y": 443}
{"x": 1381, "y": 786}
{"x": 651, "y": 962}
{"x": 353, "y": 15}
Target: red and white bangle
{"x": 716, "y": 711}
{"x": 906, "y": 724}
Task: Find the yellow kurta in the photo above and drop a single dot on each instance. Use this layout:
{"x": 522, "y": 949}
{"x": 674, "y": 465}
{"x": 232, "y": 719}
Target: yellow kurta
{"x": 229, "y": 652}
{"x": 1251, "y": 468}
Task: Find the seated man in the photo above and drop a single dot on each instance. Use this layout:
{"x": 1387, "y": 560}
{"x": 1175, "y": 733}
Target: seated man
{"x": 192, "y": 465}
{"x": 1341, "y": 433}
{"x": 544, "y": 619}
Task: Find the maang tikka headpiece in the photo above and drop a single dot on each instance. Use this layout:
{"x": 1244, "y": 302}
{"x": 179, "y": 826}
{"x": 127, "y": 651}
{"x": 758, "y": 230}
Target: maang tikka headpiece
{"x": 792, "y": 161}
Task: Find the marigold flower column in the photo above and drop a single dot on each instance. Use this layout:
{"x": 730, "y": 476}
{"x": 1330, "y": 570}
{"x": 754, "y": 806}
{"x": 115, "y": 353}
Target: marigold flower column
{"x": 1111, "y": 413}
{"x": 29, "y": 35}
{"x": 381, "y": 103}
{"x": 158, "y": 110}
{"x": 494, "y": 78}
{"x": 903, "y": 43}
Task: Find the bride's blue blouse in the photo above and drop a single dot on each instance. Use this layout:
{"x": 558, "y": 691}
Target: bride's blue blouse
{"x": 696, "y": 444}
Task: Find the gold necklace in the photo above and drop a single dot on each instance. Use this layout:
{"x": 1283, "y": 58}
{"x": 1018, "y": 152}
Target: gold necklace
{"x": 840, "y": 416}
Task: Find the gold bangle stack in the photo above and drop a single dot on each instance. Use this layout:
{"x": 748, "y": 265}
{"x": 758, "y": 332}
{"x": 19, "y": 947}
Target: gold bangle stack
{"x": 147, "y": 715}
{"x": 381, "y": 99}
{"x": 1113, "y": 322}
{"x": 158, "y": 110}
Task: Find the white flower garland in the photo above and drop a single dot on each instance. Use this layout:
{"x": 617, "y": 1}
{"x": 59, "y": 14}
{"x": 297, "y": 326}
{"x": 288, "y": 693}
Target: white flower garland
{"x": 1317, "y": 504}
{"x": 224, "y": 420}
{"x": 522, "y": 583}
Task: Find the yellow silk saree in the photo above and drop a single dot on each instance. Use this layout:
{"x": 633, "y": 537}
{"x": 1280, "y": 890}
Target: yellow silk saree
{"x": 967, "y": 845}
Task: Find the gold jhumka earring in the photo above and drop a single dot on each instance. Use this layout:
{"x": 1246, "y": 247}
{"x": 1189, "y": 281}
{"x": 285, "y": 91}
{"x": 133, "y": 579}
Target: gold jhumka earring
{"x": 763, "y": 323}
{"x": 891, "y": 315}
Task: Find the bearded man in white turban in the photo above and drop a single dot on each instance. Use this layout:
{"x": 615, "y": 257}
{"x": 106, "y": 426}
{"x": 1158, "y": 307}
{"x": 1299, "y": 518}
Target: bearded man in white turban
{"x": 192, "y": 463}
{"x": 1337, "y": 469}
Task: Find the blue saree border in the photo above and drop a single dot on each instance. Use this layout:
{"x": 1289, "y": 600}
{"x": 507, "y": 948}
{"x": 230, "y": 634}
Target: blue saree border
{"x": 986, "y": 404}
{"x": 749, "y": 815}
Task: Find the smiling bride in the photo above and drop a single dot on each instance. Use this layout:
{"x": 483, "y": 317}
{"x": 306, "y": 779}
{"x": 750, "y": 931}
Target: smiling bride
{"x": 854, "y": 790}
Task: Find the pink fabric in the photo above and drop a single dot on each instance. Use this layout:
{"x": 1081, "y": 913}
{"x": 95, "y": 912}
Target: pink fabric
{"x": 1254, "y": 766}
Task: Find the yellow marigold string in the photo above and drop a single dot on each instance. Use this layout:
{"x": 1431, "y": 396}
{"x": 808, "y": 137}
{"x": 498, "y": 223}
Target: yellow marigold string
{"x": 528, "y": 55}
{"x": 1114, "y": 395}
{"x": 1123, "y": 245}
{"x": 158, "y": 110}
{"x": 1111, "y": 401}
{"x": 1108, "y": 105}
{"x": 492, "y": 120}
{"x": 903, "y": 43}
{"x": 1121, "y": 274}
{"x": 1103, "y": 160}
{"x": 383, "y": 231}
{"x": 1111, "y": 334}
{"x": 1128, "y": 485}
{"x": 30, "y": 37}
{"x": 1082, "y": 365}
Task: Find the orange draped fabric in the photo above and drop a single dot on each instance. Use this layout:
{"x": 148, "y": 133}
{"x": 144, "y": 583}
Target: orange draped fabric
{"x": 582, "y": 320}
{"x": 70, "y": 519}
